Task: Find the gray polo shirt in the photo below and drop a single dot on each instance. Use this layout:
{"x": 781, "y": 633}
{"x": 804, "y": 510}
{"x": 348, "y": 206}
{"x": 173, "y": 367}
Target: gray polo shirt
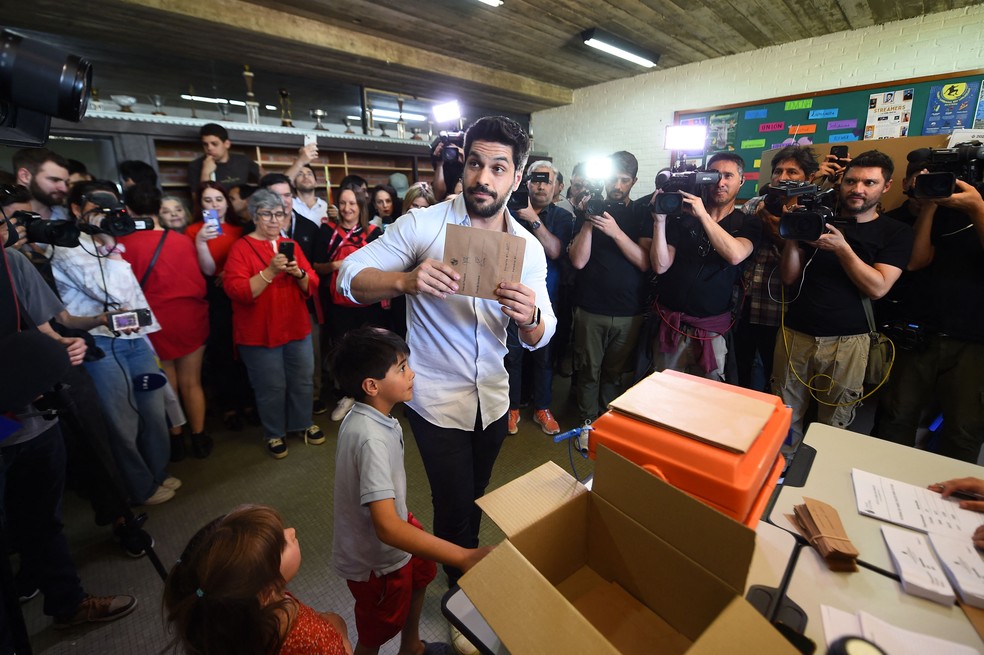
{"x": 368, "y": 467}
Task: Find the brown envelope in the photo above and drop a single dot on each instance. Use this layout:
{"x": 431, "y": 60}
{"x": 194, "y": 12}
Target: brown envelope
{"x": 483, "y": 259}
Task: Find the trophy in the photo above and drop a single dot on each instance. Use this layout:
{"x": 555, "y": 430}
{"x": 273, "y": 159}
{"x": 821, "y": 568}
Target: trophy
{"x": 158, "y": 101}
{"x": 94, "y": 103}
{"x": 382, "y": 130}
{"x": 224, "y": 110}
{"x": 285, "y": 115}
{"x": 125, "y": 102}
{"x": 348, "y": 125}
{"x": 252, "y": 106}
{"x": 191, "y": 92}
{"x": 416, "y": 134}
{"x": 401, "y": 125}
{"x": 367, "y": 128}
{"x": 318, "y": 114}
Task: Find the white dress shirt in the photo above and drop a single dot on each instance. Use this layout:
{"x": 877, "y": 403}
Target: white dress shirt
{"x": 457, "y": 344}
{"x": 313, "y": 214}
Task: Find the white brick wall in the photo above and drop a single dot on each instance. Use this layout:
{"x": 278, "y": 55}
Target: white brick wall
{"x": 632, "y": 114}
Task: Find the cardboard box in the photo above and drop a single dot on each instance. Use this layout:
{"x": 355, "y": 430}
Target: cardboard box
{"x": 632, "y": 566}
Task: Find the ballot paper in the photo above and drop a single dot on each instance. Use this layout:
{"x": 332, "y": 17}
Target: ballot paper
{"x": 483, "y": 259}
{"x": 915, "y": 561}
{"x": 890, "y": 638}
{"x": 963, "y": 565}
{"x": 912, "y": 507}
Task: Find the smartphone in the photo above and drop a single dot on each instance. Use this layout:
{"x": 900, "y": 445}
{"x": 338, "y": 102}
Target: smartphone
{"x": 286, "y": 248}
{"x": 841, "y": 153}
{"x": 310, "y": 139}
{"x": 211, "y": 217}
{"x": 130, "y": 319}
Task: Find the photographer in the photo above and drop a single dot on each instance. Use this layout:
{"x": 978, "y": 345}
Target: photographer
{"x": 94, "y": 280}
{"x": 823, "y": 349}
{"x": 947, "y": 357}
{"x": 698, "y": 257}
{"x": 610, "y": 251}
{"x": 755, "y": 334}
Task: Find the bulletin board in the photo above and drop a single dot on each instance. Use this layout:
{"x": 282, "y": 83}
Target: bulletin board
{"x": 922, "y": 106}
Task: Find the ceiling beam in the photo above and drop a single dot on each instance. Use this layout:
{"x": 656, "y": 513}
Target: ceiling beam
{"x": 267, "y": 23}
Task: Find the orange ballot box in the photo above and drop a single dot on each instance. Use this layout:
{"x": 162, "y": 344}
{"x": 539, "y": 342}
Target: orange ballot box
{"x": 717, "y": 442}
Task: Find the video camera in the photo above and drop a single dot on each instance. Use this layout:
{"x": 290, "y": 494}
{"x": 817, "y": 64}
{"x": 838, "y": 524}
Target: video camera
{"x": 454, "y": 144}
{"x": 38, "y": 230}
{"x": 597, "y": 203}
{"x": 670, "y": 201}
{"x": 113, "y": 218}
{"x": 813, "y": 210}
{"x": 964, "y": 161}
{"x": 520, "y": 198}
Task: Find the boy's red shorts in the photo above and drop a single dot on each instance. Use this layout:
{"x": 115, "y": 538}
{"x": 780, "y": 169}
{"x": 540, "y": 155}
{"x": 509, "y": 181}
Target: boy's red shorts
{"x": 382, "y": 603}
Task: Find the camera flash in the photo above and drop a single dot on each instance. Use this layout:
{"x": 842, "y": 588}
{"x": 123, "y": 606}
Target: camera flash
{"x": 687, "y": 138}
{"x": 447, "y": 112}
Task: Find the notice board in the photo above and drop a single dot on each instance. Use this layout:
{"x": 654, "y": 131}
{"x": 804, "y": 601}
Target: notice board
{"x": 922, "y": 106}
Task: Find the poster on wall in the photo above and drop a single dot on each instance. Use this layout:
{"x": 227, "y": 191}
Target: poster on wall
{"x": 979, "y": 119}
{"x": 951, "y": 107}
{"x": 889, "y": 113}
{"x": 722, "y": 130}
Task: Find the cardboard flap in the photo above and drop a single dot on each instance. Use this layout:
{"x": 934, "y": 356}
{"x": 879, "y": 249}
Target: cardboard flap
{"x": 527, "y": 499}
{"x": 721, "y": 545}
{"x": 511, "y": 595}
{"x": 740, "y": 629}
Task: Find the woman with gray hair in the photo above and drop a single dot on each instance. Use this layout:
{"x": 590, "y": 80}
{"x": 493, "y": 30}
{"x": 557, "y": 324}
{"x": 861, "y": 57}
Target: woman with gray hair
{"x": 269, "y": 280}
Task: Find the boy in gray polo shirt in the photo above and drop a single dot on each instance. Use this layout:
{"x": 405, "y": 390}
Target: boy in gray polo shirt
{"x": 378, "y": 546}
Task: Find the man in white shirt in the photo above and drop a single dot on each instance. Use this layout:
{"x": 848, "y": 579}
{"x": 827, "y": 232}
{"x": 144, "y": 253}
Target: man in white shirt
{"x": 461, "y": 400}
{"x": 306, "y": 202}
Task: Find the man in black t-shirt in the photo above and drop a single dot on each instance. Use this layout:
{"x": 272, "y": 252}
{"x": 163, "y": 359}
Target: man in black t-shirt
{"x": 218, "y": 164}
{"x": 948, "y": 361}
{"x": 698, "y": 257}
{"x": 823, "y": 348}
{"x": 611, "y": 255}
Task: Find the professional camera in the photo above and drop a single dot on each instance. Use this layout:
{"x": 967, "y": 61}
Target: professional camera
{"x": 38, "y": 230}
{"x": 777, "y": 194}
{"x": 670, "y": 201}
{"x": 453, "y": 142}
{"x": 814, "y": 209}
{"x": 38, "y": 81}
{"x": 597, "y": 203}
{"x": 111, "y": 217}
{"x": 964, "y": 161}
{"x": 520, "y": 198}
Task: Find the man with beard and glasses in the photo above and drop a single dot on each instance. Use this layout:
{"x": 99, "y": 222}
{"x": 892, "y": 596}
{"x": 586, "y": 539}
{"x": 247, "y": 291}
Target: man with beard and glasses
{"x": 457, "y": 343}
{"x": 699, "y": 256}
{"x": 611, "y": 255}
{"x": 822, "y": 349}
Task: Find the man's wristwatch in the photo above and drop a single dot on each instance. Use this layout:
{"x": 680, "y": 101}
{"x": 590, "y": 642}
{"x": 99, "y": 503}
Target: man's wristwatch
{"x": 535, "y": 225}
{"x": 529, "y": 327}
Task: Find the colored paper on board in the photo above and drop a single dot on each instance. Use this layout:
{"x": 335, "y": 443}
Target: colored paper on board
{"x": 751, "y": 176}
{"x": 772, "y": 127}
{"x": 795, "y": 130}
{"x": 979, "y": 119}
{"x": 838, "y": 138}
{"x": 799, "y": 104}
{"x": 847, "y": 124}
{"x": 822, "y": 113}
{"x": 757, "y": 164}
{"x": 951, "y": 107}
{"x": 752, "y": 114}
{"x": 722, "y": 130}
{"x": 889, "y": 113}
{"x": 753, "y": 144}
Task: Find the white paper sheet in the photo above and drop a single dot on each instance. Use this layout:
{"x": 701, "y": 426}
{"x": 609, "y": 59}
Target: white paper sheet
{"x": 890, "y": 638}
{"x": 963, "y": 565}
{"x": 915, "y": 562}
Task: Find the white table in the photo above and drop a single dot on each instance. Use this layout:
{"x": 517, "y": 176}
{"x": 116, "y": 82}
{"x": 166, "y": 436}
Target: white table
{"x": 838, "y": 451}
{"x": 813, "y": 584}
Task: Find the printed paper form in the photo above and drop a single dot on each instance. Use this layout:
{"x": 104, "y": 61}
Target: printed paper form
{"x": 911, "y": 506}
{"x": 890, "y": 638}
{"x": 922, "y": 574}
{"x": 963, "y": 566}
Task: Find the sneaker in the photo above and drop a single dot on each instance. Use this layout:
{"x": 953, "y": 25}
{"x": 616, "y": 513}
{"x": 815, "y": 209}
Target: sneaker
{"x": 319, "y": 407}
{"x": 312, "y": 436}
{"x": 201, "y": 444}
{"x": 95, "y": 609}
{"x": 546, "y": 421}
{"x": 133, "y": 541}
{"x": 342, "y": 408}
{"x": 161, "y": 495}
{"x": 24, "y": 596}
{"x": 513, "y": 421}
{"x": 461, "y": 644}
{"x": 171, "y": 483}
{"x": 277, "y": 448}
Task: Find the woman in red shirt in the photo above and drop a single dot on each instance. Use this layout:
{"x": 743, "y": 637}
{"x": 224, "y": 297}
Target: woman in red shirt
{"x": 269, "y": 280}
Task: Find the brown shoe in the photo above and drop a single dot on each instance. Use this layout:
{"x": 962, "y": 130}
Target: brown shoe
{"x": 96, "y": 609}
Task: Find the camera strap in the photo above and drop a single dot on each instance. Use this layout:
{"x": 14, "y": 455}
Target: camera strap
{"x": 153, "y": 260}
{"x": 870, "y": 315}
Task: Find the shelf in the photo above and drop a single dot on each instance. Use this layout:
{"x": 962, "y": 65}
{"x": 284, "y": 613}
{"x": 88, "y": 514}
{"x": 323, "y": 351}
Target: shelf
{"x": 176, "y": 160}
{"x": 288, "y": 164}
{"x": 395, "y": 169}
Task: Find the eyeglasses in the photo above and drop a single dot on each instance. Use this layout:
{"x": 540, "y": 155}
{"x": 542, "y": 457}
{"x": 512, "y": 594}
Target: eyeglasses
{"x": 269, "y": 215}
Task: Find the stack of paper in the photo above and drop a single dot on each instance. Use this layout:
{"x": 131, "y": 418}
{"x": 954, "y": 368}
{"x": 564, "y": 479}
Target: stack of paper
{"x": 820, "y": 524}
{"x": 963, "y": 567}
{"x": 890, "y": 638}
{"x": 920, "y": 572}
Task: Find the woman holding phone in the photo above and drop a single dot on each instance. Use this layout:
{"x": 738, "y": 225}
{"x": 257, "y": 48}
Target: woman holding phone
{"x": 268, "y": 279}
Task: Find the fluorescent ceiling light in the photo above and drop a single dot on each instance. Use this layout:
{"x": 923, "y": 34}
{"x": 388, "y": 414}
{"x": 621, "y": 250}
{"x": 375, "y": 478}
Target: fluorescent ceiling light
{"x": 395, "y": 115}
{"x": 215, "y": 101}
{"x": 447, "y": 112}
{"x": 686, "y": 138}
{"x": 270, "y": 107}
{"x": 617, "y": 47}
{"x": 491, "y": 3}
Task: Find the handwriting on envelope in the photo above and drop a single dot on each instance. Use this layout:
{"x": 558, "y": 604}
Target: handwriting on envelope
{"x": 483, "y": 259}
